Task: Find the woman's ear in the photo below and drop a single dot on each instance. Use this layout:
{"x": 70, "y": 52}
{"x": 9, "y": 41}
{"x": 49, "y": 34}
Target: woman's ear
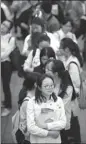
{"x": 39, "y": 88}
{"x": 67, "y": 50}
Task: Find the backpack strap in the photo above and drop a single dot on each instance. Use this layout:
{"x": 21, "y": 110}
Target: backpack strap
{"x": 9, "y": 39}
{"x": 72, "y": 62}
{"x": 50, "y": 17}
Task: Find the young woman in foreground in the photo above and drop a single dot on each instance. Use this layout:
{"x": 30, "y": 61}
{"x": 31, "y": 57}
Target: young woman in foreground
{"x": 45, "y": 113}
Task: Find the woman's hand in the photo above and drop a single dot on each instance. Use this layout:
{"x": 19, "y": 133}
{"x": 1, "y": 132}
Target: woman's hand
{"x": 53, "y": 134}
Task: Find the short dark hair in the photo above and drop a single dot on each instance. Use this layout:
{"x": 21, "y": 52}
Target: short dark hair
{"x": 39, "y": 98}
{"x": 43, "y": 37}
{"x": 46, "y": 6}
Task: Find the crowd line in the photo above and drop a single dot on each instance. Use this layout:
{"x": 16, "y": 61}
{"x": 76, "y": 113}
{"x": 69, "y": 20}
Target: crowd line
{"x": 52, "y": 65}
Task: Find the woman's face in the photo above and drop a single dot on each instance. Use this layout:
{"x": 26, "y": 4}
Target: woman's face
{"x": 63, "y": 52}
{"x": 48, "y": 69}
{"x": 67, "y": 27}
{"x": 5, "y": 27}
{"x": 47, "y": 87}
{"x": 43, "y": 44}
{"x": 44, "y": 59}
{"x": 36, "y": 28}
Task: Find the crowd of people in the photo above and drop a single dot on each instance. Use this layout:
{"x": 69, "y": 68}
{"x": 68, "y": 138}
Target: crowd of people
{"x": 51, "y": 63}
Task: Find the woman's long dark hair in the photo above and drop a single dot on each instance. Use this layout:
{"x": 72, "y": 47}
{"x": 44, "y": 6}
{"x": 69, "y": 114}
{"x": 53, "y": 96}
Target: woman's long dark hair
{"x": 73, "y": 47}
{"x": 39, "y": 98}
{"x": 47, "y": 51}
{"x": 58, "y": 66}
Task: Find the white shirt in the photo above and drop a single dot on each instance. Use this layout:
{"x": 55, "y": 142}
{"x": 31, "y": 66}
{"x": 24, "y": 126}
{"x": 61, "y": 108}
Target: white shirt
{"x": 67, "y": 104}
{"x": 37, "y": 134}
{"x": 74, "y": 72}
{"x": 32, "y": 62}
{"x": 59, "y": 35}
{"x": 27, "y": 43}
{"x": 7, "y": 46}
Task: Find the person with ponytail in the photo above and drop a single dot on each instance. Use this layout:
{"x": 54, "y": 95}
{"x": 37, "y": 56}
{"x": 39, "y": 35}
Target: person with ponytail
{"x": 73, "y": 63}
{"x": 64, "y": 89}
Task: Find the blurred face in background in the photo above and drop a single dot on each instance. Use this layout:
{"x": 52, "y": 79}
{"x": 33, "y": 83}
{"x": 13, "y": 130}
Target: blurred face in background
{"x": 48, "y": 70}
{"x": 44, "y": 60}
{"x": 67, "y": 27}
{"x": 43, "y": 44}
{"x": 64, "y": 52}
{"x": 36, "y": 28}
{"x": 33, "y": 2}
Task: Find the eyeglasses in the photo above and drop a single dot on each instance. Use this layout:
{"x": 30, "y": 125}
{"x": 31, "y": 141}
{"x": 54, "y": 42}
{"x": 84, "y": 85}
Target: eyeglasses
{"x": 49, "y": 86}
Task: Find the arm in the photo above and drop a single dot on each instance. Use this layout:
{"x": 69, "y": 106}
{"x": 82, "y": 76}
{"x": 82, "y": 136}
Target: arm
{"x": 74, "y": 74}
{"x": 31, "y": 125}
{"x": 68, "y": 96}
{"x": 9, "y": 49}
{"x": 26, "y": 45}
{"x": 61, "y": 123}
{"x": 28, "y": 63}
{"x": 67, "y": 105}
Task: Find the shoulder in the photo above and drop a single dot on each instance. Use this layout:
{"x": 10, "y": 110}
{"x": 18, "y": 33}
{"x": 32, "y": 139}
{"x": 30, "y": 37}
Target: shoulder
{"x": 69, "y": 89}
{"x": 51, "y": 36}
{"x": 32, "y": 100}
{"x": 59, "y": 100}
{"x": 27, "y": 37}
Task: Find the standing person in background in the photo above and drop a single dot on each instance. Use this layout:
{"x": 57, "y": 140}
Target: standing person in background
{"x": 65, "y": 31}
{"x": 73, "y": 63}
{"x": 37, "y": 26}
{"x": 51, "y": 22}
{"x": 7, "y": 46}
{"x": 76, "y": 10}
{"x": 45, "y": 54}
{"x": 58, "y": 8}
{"x": 45, "y": 113}
{"x": 63, "y": 88}
{"x": 33, "y": 59}
{"x": 25, "y": 16}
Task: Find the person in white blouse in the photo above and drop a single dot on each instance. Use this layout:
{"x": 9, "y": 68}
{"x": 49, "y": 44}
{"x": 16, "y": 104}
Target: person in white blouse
{"x": 65, "y": 31}
{"x": 45, "y": 113}
{"x": 38, "y": 26}
{"x": 73, "y": 63}
{"x": 63, "y": 88}
{"x": 7, "y": 46}
{"x": 70, "y": 50}
{"x": 33, "y": 59}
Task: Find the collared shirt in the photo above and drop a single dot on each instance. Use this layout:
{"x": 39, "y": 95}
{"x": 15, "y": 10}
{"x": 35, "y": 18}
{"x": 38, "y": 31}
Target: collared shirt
{"x": 32, "y": 62}
{"x": 27, "y": 43}
{"x": 59, "y": 35}
{"x": 34, "y": 113}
